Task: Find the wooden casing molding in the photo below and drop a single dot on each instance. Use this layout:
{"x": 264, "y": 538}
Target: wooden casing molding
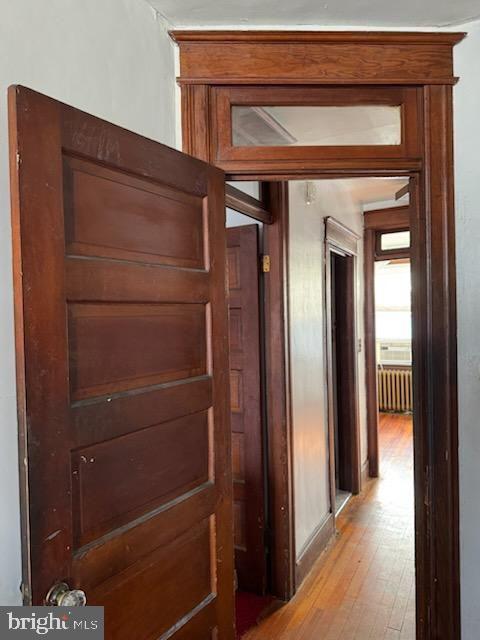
{"x": 387, "y": 219}
{"x": 315, "y": 57}
{"x": 277, "y": 387}
{"x": 422, "y": 61}
{"x": 340, "y": 236}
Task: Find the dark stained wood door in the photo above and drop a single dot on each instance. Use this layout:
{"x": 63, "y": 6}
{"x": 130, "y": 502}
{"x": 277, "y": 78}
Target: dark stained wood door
{"x": 246, "y": 408}
{"x": 122, "y": 358}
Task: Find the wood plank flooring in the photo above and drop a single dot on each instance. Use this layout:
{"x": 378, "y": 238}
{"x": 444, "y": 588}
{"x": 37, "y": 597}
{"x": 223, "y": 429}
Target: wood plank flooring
{"x": 362, "y": 588}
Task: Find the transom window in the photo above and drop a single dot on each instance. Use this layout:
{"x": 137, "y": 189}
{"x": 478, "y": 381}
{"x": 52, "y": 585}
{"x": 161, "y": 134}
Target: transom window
{"x": 395, "y": 240}
{"x": 273, "y": 126}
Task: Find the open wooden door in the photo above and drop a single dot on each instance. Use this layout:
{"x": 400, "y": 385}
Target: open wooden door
{"x": 122, "y": 358}
{"x": 246, "y": 406}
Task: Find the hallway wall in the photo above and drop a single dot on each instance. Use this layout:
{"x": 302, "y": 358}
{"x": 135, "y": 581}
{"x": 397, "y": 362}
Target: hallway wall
{"x": 467, "y": 187}
{"x": 307, "y": 353}
{"x": 114, "y": 59}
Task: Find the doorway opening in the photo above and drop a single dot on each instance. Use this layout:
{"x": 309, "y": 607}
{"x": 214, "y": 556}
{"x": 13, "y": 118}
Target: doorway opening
{"x": 341, "y": 310}
{"x": 275, "y": 72}
{"x": 248, "y": 418}
{"x": 247, "y": 403}
{"x": 342, "y": 338}
{"x": 388, "y": 315}
{"x": 327, "y": 337}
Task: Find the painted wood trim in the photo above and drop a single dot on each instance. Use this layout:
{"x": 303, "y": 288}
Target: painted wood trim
{"x": 340, "y": 236}
{"x": 365, "y": 473}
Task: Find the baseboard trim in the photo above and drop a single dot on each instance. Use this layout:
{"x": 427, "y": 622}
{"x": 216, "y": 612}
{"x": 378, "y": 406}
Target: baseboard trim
{"x": 365, "y": 473}
{"x": 313, "y": 549}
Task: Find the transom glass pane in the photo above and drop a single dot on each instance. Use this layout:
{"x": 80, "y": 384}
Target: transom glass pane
{"x": 300, "y": 126}
{"x": 397, "y": 240}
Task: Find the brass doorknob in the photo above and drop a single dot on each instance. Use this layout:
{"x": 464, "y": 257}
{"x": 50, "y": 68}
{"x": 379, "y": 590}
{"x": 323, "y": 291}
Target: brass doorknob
{"x": 61, "y": 595}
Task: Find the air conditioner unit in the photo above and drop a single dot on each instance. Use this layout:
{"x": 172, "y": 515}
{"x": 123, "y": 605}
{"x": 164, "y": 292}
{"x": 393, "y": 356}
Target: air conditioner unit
{"x": 394, "y": 352}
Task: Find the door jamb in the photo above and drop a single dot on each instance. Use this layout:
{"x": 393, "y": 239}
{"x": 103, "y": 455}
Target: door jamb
{"x": 277, "y": 390}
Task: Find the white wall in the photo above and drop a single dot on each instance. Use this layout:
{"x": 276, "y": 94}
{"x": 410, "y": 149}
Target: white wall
{"x": 114, "y": 59}
{"x": 308, "y": 374}
{"x": 467, "y": 185}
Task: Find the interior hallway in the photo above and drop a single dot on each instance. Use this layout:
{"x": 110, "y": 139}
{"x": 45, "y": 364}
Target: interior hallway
{"x": 363, "y": 586}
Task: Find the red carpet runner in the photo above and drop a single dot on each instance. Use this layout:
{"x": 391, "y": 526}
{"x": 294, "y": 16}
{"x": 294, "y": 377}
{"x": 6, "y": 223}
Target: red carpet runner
{"x": 249, "y": 610}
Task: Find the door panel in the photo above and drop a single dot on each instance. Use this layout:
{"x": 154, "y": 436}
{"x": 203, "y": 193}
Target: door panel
{"x": 122, "y": 360}
{"x": 166, "y": 342}
{"x": 164, "y": 462}
{"x": 246, "y": 411}
{"x": 110, "y": 214}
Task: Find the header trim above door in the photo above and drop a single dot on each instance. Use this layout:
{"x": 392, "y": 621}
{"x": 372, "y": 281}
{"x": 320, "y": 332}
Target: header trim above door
{"x": 338, "y": 235}
{"x": 315, "y": 57}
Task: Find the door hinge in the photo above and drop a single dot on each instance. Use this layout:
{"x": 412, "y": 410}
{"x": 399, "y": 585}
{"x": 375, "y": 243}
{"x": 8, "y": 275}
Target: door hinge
{"x": 266, "y": 264}
{"x": 25, "y": 591}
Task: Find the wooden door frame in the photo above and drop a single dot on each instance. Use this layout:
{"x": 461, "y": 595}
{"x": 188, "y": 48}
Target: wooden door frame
{"x": 272, "y": 210}
{"x": 281, "y": 539}
{"x": 342, "y": 240}
{"x": 375, "y": 221}
{"x": 304, "y": 59}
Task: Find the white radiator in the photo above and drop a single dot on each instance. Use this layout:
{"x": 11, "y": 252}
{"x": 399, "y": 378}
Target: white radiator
{"x": 395, "y": 390}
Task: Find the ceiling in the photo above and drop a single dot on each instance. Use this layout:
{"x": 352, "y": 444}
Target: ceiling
{"x": 315, "y": 13}
{"x": 370, "y": 190}
{"x": 367, "y": 192}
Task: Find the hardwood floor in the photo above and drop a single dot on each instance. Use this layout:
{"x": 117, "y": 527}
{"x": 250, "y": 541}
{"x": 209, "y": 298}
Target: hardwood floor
{"x": 362, "y": 588}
